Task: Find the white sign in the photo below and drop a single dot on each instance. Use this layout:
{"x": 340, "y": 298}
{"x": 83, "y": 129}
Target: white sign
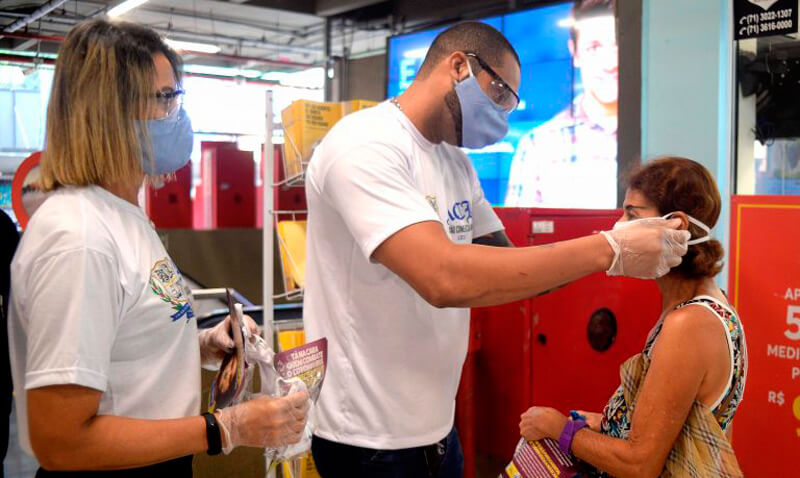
{"x": 765, "y": 4}
{"x": 543, "y": 227}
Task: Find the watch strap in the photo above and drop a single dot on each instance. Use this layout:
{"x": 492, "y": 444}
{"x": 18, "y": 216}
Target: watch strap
{"x": 568, "y": 433}
{"x": 213, "y": 434}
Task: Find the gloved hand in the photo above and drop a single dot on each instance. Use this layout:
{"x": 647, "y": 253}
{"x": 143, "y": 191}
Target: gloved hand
{"x": 646, "y": 248}
{"x": 217, "y": 341}
{"x": 264, "y": 422}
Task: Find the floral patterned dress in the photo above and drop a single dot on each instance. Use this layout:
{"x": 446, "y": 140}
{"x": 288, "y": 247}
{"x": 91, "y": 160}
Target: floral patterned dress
{"x": 616, "y": 421}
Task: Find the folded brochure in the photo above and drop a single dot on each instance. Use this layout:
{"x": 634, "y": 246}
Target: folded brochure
{"x": 307, "y": 363}
{"x": 229, "y": 384}
{"x": 540, "y": 459}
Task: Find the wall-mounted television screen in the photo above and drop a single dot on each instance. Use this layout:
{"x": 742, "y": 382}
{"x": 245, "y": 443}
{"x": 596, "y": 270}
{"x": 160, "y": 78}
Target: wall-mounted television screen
{"x": 561, "y": 148}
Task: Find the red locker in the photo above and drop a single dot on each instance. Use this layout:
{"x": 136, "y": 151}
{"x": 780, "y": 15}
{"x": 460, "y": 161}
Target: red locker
{"x": 504, "y": 379}
{"x": 228, "y": 196}
{"x": 466, "y": 399}
{"x": 170, "y": 206}
{"x": 285, "y": 198}
{"x": 562, "y": 349}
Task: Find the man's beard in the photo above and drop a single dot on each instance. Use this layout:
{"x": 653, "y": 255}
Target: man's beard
{"x": 451, "y": 101}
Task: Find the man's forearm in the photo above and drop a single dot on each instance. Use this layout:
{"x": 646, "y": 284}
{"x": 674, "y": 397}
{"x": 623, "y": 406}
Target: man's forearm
{"x": 476, "y": 276}
{"x": 495, "y": 239}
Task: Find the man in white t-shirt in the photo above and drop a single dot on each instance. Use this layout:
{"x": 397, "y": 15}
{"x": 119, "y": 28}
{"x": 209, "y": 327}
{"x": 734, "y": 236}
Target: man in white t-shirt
{"x": 395, "y": 212}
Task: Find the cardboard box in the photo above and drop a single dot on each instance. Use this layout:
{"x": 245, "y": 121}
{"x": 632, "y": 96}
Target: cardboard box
{"x": 305, "y": 123}
{"x": 292, "y": 240}
{"x": 303, "y": 467}
{"x": 289, "y": 339}
{"x": 355, "y": 105}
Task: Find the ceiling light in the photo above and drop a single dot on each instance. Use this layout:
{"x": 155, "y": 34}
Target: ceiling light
{"x": 222, "y": 71}
{"x": 416, "y": 53}
{"x": 192, "y": 46}
{"x": 125, "y": 7}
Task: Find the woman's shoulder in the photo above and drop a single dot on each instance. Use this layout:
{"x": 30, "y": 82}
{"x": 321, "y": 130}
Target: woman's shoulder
{"x": 691, "y": 318}
{"x": 68, "y": 219}
{"x": 694, "y": 333}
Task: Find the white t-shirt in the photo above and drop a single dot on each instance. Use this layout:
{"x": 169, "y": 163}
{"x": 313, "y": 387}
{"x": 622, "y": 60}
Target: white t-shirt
{"x": 97, "y": 302}
{"x": 394, "y": 360}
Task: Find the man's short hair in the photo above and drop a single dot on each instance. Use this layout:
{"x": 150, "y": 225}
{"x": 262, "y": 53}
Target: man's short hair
{"x": 477, "y": 37}
{"x": 590, "y": 8}
{"x": 583, "y": 9}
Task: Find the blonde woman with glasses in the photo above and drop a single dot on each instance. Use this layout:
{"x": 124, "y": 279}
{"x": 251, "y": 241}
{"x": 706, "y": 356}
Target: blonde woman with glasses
{"x": 105, "y": 351}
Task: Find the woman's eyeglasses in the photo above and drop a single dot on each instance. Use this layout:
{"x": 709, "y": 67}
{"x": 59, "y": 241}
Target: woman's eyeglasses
{"x": 170, "y": 101}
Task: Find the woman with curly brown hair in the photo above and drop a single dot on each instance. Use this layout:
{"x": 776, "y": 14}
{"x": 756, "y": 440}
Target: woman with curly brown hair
{"x": 670, "y": 415}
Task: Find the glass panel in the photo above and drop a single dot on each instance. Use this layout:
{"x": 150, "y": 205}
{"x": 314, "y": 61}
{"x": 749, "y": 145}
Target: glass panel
{"x": 28, "y": 118}
{"x": 6, "y": 120}
{"x": 768, "y": 116}
{"x": 778, "y": 171}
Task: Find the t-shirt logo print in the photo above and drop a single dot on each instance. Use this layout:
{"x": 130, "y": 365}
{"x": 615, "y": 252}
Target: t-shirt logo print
{"x": 459, "y": 219}
{"x": 166, "y": 283}
{"x": 432, "y": 201}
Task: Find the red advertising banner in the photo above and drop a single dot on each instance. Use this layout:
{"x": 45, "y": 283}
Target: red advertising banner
{"x": 765, "y": 289}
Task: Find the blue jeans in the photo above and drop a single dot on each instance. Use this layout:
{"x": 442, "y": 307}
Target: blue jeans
{"x": 440, "y": 460}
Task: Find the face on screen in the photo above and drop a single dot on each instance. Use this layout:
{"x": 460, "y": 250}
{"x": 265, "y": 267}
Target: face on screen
{"x": 595, "y": 53}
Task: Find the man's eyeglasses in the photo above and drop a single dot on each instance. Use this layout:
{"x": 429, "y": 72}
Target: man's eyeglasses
{"x": 499, "y": 91}
{"x": 170, "y": 101}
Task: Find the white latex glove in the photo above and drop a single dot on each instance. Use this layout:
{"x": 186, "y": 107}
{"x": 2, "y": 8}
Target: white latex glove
{"x": 264, "y": 422}
{"x": 217, "y": 341}
{"x": 647, "y": 248}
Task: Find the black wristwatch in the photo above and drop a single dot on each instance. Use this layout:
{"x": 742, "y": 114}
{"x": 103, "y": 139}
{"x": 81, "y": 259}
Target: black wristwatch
{"x": 213, "y": 434}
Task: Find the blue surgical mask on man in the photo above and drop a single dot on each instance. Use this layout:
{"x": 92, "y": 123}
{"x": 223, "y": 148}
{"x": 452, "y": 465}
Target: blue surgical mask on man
{"x": 483, "y": 122}
{"x": 170, "y": 143}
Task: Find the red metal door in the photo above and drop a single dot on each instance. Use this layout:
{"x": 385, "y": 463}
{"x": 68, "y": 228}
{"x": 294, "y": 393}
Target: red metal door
{"x": 235, "y": 204}
{"x": 584, "y": 331}
{"x": 503, "y": 376}
{"x": 170, "y": 206}
{"x": 228, "y": 196}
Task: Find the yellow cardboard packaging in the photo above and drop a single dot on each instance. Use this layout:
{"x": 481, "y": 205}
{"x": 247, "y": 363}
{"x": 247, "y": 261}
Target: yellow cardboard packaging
{"x": 305, "y": 122}
{"x": 306, "y": 468}
{"x": 355, "y": 105}
{"x": 292, "y": 242}
{"x": 289, "y": 339}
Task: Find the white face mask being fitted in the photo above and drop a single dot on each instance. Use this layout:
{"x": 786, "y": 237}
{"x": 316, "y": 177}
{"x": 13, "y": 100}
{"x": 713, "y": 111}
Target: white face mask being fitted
{"x": 696, "y": 222}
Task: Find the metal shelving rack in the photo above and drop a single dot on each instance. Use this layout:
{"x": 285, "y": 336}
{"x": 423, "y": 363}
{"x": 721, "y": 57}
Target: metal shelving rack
{"x": 269, "y": 232}
{"x": 270, "y": 221}
{"x": 268, "y": 228}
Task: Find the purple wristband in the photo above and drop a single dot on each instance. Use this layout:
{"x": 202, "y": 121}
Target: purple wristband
{"x": 568, "y": 433}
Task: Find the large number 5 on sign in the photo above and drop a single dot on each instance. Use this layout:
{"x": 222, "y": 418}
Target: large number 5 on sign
{"x": 793, "y": 318}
